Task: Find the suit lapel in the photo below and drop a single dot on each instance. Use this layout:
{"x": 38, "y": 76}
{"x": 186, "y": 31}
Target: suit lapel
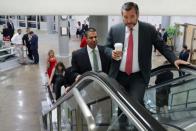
{"x": 122, "y": 33}
{"x": 86, "y": 58}
{"x": 141, "y": 46}
{"x": 101, "y": 53}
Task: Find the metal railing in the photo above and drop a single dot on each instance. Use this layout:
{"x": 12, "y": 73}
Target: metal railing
{"x": 135, "y": 112}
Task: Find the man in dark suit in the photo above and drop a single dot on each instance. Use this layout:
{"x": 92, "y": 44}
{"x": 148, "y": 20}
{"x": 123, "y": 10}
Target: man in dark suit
{"x": 26, "y": 42}
{"x": 90, "y": 58}
{"x": 34, "y": 46}
{"x": 10, "y": 27}
{"x": 133, "y": 70}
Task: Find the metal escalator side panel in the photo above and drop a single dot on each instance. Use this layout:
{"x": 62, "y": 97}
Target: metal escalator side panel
{"x": 85, "y": 110}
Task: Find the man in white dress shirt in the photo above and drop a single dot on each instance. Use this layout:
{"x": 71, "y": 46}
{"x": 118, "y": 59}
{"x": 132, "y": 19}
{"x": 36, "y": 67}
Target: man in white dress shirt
{"x": 17, "y": 41}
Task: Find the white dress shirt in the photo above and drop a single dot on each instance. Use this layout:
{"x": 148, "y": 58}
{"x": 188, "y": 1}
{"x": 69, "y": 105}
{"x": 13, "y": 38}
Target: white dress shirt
{"x": 90, "y": 54}
{"x": 135, "y": 32}
{"x": 17, "y": 39}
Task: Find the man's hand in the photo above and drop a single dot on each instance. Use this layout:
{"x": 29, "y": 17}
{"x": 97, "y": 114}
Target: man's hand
{"x": 66, "y": 89}
{"x": 180, "y": 62}
{"x": 77, "y": 78}
{"x": 116, "y": 54}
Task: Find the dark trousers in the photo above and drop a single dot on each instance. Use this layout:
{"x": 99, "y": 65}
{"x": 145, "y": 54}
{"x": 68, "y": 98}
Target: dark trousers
{"x": 134, "y": 85}
{"x": 35, "y": 56}
{"x": 29, "y": 52}
{"x": 57, "y": 88}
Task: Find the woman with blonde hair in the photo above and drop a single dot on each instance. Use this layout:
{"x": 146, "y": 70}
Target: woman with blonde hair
{"x": 51, "y": 62}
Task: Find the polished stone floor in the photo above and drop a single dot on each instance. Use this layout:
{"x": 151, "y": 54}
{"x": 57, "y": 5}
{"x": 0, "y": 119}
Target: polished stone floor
{"x": 22, "y": 90}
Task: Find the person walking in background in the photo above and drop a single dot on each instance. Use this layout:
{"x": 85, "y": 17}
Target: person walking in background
{"x": 26, "y": 42}
{"x": 51, "y": 62}
{"x": 59, "y": 78}
{"x": 10, "y": 27}
{"x": 84, "y": 28}
{"x": 83, "y": 42}
{"x": 17, "y": 41}
{"x": 184, "y": 55}
{"x": 5, "y": 33}
{"x": 78, "y": 30}
{"x": 164, "y": 35}
{"x": 34, "y": 46}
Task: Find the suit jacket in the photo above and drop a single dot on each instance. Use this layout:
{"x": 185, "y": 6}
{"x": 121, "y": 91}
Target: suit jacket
{"x": 10, "y": 26}
{"x": 34, "y": 42}
{"x": 25, "y": 40}
{"x": 81, "y": 62}
{"x": 147, "y": 36}
{"x": 184, "y": 55}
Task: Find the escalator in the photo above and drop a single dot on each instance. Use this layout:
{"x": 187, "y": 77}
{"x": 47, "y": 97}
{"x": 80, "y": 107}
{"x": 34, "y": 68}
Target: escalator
{"x": 180, "y": 107}
{"x": 94, "y": 104}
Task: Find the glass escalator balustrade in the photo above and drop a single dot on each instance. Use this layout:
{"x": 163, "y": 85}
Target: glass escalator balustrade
{"x": 110, "y": 109}
{"x": 172, "y": 100}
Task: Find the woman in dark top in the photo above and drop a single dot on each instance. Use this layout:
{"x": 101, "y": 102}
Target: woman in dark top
{"x": 5, "y": 33}
{"x": 59, "y": 78}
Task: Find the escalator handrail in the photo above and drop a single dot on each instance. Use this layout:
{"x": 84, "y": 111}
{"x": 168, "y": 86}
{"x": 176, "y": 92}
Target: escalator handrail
{"x": 189, "y": 68}
{"x": 171, "y": 66}
{"x": 132, "y": 108}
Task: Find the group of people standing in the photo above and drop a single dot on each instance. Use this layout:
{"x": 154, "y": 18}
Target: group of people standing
{"x": 28, "y": 40}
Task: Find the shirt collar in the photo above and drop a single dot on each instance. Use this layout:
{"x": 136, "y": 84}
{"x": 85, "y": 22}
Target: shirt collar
{"x": 90, "y": 49}
{"x": 135, "y": 28}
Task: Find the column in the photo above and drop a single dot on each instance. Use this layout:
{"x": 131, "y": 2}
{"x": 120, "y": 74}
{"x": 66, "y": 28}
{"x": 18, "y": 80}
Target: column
{"x": 63, "y": 41}
{"x": 50, "y": 24}
{"x": 100, "y": 23}
{"x": 165, "y": 21}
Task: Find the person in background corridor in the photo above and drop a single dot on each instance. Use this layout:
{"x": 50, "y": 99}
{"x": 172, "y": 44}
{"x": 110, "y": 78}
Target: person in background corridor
{"x": 51, "y": 62}
{"x": 17, "y": 41}
{"x": 59, "y": 78}
{"x": 78, "y": 30}
{"x": 5, "y": 33}
{"x": 184, "y": 55}
{"x": 10, "y": 27}
{"x": 34, "y": 46}
{"x": 83, "y": 42}
{"x": 26, "y": 42}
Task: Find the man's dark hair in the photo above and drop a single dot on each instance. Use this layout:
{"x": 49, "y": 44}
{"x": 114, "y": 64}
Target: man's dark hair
{"x": 185, "y": 47}
{"x": 31, "y": 32}
{"x": 130, "y": 5}
{"x": 90, "y": 29}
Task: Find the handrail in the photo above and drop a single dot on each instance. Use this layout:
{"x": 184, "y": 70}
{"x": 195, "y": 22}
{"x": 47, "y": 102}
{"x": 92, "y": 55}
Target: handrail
{"x": 188, "y": 68}
{"x": 85, "y": 110}
{"x": 139, "y": 116}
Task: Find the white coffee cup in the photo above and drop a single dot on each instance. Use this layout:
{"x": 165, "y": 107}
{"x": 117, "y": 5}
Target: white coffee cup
{"x": 118, "y": 47}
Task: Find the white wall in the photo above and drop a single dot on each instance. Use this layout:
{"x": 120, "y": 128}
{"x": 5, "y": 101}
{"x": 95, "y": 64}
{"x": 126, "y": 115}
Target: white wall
{"x": 113, "y": 20}
{"x": 154, "y": 20}
{"x": 182, "y": 20}
{"x": 96, "y": 7}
